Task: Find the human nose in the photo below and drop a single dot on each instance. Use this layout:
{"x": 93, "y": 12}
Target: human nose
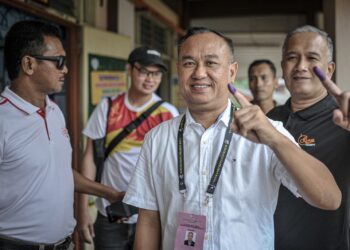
{"x": 199, "y": 71}
{"x": 259, "y": 82}
{"x": 301, "y": 64}
{"x": 65, "y": 69}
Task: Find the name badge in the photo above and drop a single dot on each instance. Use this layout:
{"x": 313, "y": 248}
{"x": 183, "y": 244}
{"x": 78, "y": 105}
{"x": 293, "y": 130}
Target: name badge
{"x": 190, "y": 231}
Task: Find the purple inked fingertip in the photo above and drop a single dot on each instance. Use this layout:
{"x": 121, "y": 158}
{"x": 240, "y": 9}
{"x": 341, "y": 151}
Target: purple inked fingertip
{"x": 231, "y": 88}
{"x": 319, "y": 73}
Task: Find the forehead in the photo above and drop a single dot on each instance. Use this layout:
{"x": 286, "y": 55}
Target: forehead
{"x": 204, "y": 44}
{"x": 306, "y": 42}
{"x": 53, "y": 45}
{"x": 261, "y": 68}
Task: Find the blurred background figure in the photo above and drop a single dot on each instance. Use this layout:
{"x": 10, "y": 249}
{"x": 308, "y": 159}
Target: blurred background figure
{"x": 262, "y": 83}
{"x": 111, "y": 120}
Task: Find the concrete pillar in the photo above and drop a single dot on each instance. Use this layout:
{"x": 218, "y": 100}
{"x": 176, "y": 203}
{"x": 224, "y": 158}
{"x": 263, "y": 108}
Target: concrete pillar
{"x": 337, "y": 24}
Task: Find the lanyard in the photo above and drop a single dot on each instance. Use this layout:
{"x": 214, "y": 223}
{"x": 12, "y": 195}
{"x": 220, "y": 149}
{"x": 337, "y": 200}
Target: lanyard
{"x": 219, "y": 163}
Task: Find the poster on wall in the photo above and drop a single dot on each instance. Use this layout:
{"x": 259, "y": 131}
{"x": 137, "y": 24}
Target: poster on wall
{"x": 107, "y": 77}
{"x": 106, "y": 83}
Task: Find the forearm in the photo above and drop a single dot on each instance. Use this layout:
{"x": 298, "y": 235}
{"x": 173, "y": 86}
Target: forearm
{"x": 314, "y": 181}
{"x": 148, "y": 231}
{"x": 87, "y": 186}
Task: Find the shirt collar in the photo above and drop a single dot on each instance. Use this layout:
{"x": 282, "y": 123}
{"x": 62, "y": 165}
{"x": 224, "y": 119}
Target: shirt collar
{"x": 318, "y": 108}
{"x": 224, "y": 117}
{"x": 22, "y": 104}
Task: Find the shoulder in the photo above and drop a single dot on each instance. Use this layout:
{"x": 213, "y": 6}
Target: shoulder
{"x": 106, "y": 102}
{"x": 111, "y": 100}
{"x": 170, "y": 108}
{"x": 164, "y": 130}
{"x": 120, "y": 96}
{"x": 279, "y": 112}
{"x": 166, "y": 106}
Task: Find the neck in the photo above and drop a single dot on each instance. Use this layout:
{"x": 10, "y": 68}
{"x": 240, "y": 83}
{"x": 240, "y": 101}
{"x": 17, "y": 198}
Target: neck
{"x": 300, "y": 104}
{"x": 206, "y": 117}
{"x": 137, "y": 100}
{"x": 28, "y": 93}
{"x": 265, "y": 105}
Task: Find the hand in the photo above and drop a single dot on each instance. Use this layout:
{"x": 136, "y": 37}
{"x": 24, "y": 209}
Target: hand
{"x": 122, "y": 220}
{"x": 341, "y": 116}
{"x": 85, "y": 226}
{"x": 115, "y": 196}
{"x": 251, "y": 122}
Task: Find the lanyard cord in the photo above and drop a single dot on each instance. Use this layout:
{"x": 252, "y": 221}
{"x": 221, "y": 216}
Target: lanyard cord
{"x": 219, "y": 163}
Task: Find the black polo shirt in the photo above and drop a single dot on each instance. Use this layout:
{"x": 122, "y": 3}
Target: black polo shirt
{"x": 298, "y": 225}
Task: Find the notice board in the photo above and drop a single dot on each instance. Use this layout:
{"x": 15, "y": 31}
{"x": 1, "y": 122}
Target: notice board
{"x": 107, "y": 77}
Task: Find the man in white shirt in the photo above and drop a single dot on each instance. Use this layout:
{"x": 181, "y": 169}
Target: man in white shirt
{"x": 194, "y": 174}
{"x": 37, "y": 181}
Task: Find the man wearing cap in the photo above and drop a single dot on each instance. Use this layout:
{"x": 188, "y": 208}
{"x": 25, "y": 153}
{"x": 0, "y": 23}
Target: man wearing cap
{"x": 145, "y": 68}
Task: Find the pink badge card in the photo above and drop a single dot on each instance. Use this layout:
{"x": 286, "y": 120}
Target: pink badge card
{"x": 190, "y": 231}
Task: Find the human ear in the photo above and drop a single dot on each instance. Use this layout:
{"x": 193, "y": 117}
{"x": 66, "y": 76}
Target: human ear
{"x": 28, "y": 65}
{"x": 330, "y": 69}
{"x": 233, "y": 71}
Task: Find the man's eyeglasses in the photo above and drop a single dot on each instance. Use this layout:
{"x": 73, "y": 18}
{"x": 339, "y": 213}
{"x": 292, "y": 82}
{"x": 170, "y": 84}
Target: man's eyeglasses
{"x": 60, "y": 60}
{"x": 144, "y": 72}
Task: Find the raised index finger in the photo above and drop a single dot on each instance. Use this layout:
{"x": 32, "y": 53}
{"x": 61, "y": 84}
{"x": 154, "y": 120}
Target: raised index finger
{"x": 332, "y": 88}
{"x": 239, "y": 97}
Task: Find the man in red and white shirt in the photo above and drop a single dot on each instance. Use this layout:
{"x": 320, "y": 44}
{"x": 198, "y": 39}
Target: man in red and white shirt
{"x": 145, "y": 68}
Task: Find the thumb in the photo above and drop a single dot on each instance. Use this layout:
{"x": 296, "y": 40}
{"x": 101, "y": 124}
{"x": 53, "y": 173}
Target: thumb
{"x": 241, "y": 99}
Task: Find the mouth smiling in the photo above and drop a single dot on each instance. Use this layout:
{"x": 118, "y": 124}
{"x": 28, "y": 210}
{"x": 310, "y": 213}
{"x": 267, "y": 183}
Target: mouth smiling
{"x": 148, "y": 86}
{"x": 200, "y": 87}
{"x": 300, "y": 78}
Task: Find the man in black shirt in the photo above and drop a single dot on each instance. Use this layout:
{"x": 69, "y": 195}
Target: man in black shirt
{"x": 308, "y": 115}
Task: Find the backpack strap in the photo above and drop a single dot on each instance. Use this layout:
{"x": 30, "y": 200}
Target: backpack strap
{"x": 99, "y": 147}
{"x": 130, "y": 127}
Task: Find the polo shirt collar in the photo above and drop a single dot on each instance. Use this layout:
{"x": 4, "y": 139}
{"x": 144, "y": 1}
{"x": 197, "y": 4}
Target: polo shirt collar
{"x": 22, "y": 104}
{"x": 224, "y": 117}
{"x": 318, "y": 108}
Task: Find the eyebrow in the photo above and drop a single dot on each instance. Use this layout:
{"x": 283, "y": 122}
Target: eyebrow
{"x": 308, "y": 53}
{"x": 314, "y": 54}
{"x": 186, "y": 58}
{"x": 210, "y": 56}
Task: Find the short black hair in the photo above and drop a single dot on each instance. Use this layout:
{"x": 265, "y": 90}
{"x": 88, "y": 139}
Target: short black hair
{"x": 200, "y": 30}
{"x": 26, "y": 38}
{"x": 263, "y": 61}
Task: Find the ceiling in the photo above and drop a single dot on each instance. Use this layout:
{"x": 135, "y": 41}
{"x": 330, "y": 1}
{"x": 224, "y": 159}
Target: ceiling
{"x": 209, "y": 9}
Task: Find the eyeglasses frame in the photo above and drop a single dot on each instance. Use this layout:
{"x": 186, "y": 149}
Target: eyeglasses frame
{"x": 148, "y": 72}
{"x": 60, "y": 60}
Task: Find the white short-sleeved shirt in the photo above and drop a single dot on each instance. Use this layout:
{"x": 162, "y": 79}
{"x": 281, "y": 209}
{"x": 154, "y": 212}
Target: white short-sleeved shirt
{"x": 240, "y": 214}
{"x": 120, "y": 165}
{"x": 36, "y": 179}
